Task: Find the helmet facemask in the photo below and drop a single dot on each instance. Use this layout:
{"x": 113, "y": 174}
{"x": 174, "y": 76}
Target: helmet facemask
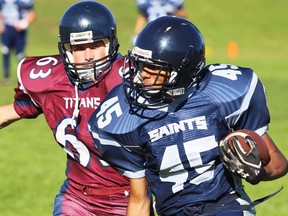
{"x": 156, "y": 94}
{"x": 148, "y": 94}
{"x": 87, "y": 71}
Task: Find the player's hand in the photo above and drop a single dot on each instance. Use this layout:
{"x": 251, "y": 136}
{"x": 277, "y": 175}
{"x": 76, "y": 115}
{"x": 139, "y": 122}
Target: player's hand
{"x": 2, "y": 27}
{"x": 21, "y": 25}
{"x": 247, "y": 165}
{"x": 169, "y": 9}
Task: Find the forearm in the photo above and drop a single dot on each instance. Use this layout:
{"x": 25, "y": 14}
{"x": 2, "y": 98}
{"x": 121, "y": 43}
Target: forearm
{"x": 278, "y": 166}
{"x": 31, "y": 16}
{"x": 7, "y": 115}
{"x": 139, "y": 201}
{"x": 1, "y": 23}
{"x": 136, "y": 207}
{"x": 181, "y": 13}
{"x": 140, "y": 23}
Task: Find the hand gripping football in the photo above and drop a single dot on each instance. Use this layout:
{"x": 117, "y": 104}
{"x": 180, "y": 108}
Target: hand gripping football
{"x": 242, "y": 135}
{"x": 245, "y": 153}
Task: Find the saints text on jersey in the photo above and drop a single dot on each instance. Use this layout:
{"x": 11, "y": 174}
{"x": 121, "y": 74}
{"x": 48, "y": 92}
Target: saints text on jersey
{"x": 198, "y": 123}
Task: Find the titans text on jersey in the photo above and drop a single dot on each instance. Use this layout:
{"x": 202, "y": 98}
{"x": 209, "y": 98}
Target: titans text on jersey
{"x": 83, "y": 102}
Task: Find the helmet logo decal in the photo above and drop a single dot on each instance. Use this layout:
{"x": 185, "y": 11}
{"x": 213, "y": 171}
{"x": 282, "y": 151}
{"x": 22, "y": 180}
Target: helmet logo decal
{"x": 142, "y": 52}
{"x": 173, "y": 77}
{"x": 81, "y": 37}
{"x": 168, "y": 28}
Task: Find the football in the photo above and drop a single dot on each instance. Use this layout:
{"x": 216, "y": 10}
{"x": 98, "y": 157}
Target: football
{"x": 261, "y": 145}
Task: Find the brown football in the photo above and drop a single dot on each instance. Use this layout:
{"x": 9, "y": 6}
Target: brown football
{"x": 261, "y": 145}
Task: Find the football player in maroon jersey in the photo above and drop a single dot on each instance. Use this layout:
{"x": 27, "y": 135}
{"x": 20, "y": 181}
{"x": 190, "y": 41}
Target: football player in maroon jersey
{"x": 67, "y": 88}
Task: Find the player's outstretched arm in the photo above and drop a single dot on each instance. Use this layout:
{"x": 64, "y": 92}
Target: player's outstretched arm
{"x": 8, "y": 115}
{"x": 139, "y": 202}
{"x": 277, "y": 166}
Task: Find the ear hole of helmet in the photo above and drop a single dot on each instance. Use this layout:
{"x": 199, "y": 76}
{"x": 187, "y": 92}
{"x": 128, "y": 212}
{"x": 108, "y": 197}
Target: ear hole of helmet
{"x": 184, "y": 62}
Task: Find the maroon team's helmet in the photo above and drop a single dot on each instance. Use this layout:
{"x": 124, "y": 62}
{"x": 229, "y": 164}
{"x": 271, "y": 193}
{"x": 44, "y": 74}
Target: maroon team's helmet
{"x": 86, "y": 22}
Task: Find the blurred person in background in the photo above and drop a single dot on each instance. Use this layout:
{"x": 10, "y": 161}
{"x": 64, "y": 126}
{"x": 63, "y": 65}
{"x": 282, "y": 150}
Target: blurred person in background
{"x": 149, "y": 10}
{"x": 66, "y": 89}
{"x": 15, "y": 18}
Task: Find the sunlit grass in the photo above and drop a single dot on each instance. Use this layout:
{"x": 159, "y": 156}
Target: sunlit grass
{"x": 32, "y": 165}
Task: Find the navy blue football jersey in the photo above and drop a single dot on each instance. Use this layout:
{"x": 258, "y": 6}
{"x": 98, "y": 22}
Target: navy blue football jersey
{"x": 176, "y": 146}
{"x": 154, "y": 9}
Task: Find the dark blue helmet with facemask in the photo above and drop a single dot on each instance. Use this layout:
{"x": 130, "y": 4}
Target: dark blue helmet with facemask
{"x": 171, "y": 44}
{"x": 83, "y": 23}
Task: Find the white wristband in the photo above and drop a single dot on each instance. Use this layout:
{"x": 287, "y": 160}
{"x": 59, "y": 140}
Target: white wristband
{"x": 23, "y": 24}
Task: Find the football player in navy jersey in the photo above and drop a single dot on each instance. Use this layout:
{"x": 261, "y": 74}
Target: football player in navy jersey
{"x": 149, "y": 10}
{"x": 163, "y": 126}
{"x": 15, "y": 19}
{"x": 89, "y": 56}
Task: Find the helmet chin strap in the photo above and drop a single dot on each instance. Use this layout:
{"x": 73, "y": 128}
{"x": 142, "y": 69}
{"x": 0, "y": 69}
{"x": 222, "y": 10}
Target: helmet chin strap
{"x": 76, "y": 107}
{"x": 88, "y": 75}
{"x": 137, "y": 78}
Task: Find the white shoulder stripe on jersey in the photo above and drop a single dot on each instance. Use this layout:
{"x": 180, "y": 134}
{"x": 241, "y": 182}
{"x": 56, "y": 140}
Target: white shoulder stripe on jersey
{"x": 246, "y": 101}
{"x": 105, "y": 141}
{"x": 21, "y": 87}
{"x": 129, "y": 174}
{"x": 138, "y": 174}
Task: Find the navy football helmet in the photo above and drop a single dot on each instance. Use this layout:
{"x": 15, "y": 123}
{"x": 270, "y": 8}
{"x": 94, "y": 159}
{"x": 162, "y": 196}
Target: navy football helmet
{"x": 87, "y": 22}
{"x": 170, "y": 44}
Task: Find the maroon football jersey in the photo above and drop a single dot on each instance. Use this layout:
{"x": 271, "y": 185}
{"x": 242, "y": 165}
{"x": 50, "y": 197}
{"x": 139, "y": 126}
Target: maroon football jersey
{"x": 45, "y": 88}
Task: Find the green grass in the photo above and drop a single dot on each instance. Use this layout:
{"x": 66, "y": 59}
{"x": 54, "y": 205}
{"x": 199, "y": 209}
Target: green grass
{"x": 32, "y": 165}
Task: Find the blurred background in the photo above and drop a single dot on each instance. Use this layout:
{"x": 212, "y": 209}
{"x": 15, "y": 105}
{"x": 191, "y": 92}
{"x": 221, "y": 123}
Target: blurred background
{"x": 246, "y": 33}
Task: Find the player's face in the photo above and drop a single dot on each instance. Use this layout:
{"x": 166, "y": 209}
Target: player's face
{"x": 84, "y": 53}
{"x": 153, "y": 76}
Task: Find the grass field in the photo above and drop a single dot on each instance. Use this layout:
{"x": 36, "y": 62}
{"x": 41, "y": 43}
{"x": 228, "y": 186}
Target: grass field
{"x": 32, "y": 166}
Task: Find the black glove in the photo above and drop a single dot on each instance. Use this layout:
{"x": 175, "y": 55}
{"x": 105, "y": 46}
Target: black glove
{"x": 247, "y": 165}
